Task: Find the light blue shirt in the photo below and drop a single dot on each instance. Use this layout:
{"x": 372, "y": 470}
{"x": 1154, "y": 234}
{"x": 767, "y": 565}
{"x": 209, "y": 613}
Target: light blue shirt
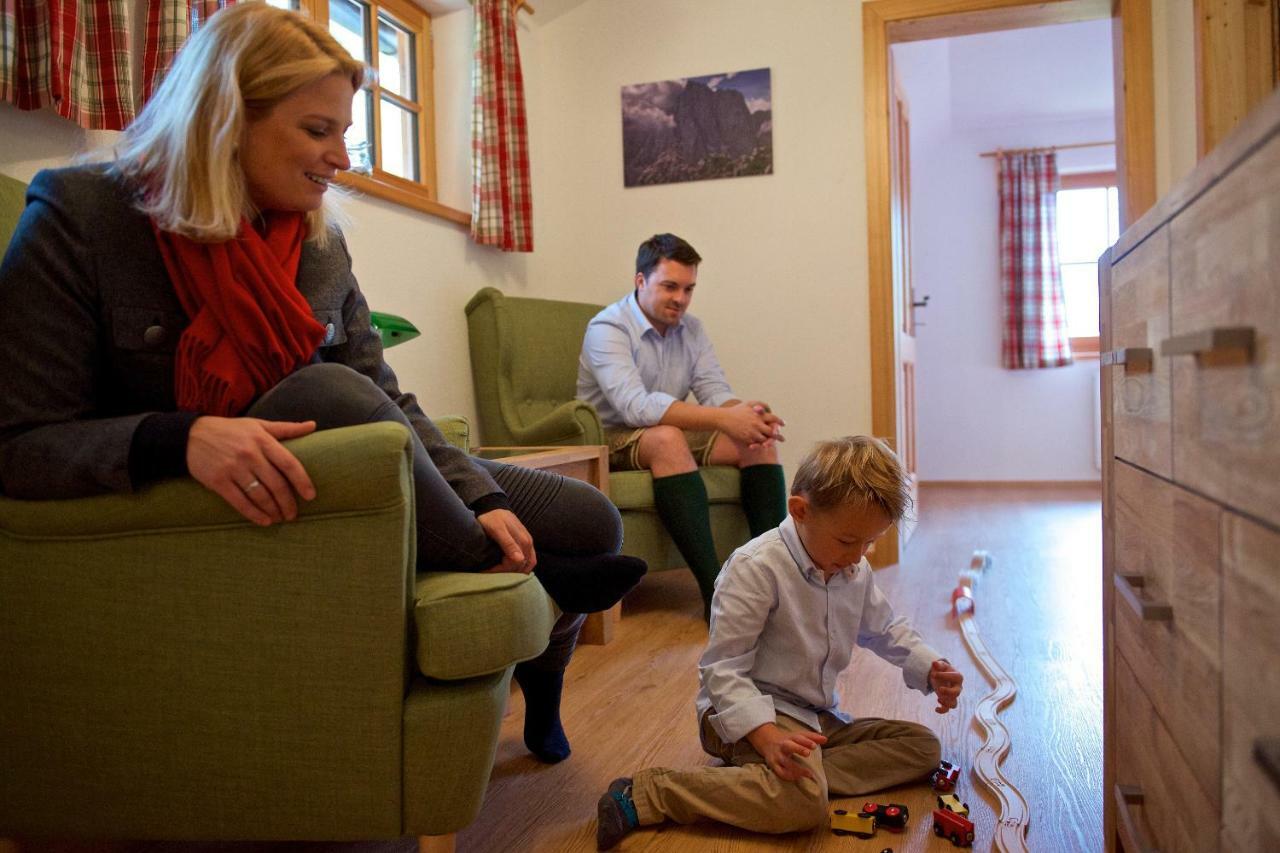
{"x": 780, "y": 636}
{"x": 632, "y": 374}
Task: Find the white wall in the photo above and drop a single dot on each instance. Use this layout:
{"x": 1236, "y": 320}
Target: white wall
{"x": 783, "y": 287}
{"x": 978, "y": 421}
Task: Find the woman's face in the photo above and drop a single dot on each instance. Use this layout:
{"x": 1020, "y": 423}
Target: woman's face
{"x": 290, "y": 154}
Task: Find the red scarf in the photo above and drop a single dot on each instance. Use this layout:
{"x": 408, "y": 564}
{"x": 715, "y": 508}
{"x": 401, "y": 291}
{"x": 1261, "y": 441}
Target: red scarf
{"x": 250, "y": 327}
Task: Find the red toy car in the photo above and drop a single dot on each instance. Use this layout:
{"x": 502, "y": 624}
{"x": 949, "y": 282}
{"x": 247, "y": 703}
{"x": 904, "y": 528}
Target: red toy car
{"x": 950, "y": 825}
{"x": 892, "y": 816}
{"x": 944, "y": 778}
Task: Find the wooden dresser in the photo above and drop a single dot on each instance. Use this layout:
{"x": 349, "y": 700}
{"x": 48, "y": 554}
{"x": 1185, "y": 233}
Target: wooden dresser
{"x": 1190, "y": 303}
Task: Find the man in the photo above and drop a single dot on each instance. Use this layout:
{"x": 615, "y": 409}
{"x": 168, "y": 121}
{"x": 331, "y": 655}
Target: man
{"x": 641, "y": 357}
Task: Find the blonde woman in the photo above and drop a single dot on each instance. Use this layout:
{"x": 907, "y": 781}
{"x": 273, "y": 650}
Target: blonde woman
{"x": 185, "y": 308}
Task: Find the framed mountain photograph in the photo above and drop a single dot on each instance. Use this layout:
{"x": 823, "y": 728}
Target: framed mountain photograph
{"x": 697, "y": 128}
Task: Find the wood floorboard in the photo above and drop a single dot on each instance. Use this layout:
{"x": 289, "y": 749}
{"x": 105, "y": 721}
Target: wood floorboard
{"x": 629, "y": 704}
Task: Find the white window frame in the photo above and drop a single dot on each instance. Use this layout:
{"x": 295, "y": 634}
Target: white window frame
{"x": 1086, "y": 347}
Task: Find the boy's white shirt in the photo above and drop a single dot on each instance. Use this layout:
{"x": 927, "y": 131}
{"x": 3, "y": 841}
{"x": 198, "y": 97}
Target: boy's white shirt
{"x": 780, "y": 636}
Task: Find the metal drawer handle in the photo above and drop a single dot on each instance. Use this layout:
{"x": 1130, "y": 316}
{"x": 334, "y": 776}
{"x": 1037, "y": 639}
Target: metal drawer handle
{"x": 1266, "y": 751}
{"x": 1133, "y": 358}
{"x": 1217, "y": 340}
{"x": 1147, "y": 610}
{"x": 1126, "y": 797}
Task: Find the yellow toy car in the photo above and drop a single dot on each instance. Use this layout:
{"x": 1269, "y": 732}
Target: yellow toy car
{"x": 844, "y": 823}
{"x": 952, "y": 803}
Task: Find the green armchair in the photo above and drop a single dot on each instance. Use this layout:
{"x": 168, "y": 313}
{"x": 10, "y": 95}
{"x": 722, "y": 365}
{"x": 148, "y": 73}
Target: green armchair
{"x": 524, "y": 366}
{"x": 170, "y": 671}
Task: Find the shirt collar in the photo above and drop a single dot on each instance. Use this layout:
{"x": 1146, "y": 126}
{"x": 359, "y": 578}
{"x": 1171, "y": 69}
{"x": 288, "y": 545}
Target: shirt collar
{"x": 791, "y": 538}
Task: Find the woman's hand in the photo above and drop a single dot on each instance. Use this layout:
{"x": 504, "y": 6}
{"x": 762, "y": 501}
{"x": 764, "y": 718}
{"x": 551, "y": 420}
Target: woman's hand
{"x": 779, "y": 749}
{"x": 947, "y": 683}
{"x": 502, "y": 526}
{"x": 242, "y": 460}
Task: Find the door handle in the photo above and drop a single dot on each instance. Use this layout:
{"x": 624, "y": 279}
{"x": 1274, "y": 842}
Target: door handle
{"x": 1216, "y": 341}
{"x": 1138, "y": 359}
{"x": 1146, "y": 610}
{"x": 921, "y": 303}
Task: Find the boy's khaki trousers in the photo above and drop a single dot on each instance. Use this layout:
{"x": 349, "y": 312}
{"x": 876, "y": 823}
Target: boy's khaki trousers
{"x": 860, "y": 757}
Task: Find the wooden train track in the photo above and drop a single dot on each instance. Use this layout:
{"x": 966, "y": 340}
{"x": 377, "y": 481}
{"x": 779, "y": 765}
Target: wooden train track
{"x": 1011, "y": 832}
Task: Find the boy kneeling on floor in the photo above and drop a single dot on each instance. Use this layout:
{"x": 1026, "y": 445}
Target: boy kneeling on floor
{"x": 788, "y": 609}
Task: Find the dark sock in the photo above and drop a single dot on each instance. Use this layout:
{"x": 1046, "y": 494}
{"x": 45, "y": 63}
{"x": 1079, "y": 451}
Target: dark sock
{"x": 764, "y": 497}
{"x": 588, "y": 584}
{"x": 681, "y": 501}
{"x": 543, "y": 733}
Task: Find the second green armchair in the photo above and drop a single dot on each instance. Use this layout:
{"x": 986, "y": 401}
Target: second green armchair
{"x": 524, "y": 365}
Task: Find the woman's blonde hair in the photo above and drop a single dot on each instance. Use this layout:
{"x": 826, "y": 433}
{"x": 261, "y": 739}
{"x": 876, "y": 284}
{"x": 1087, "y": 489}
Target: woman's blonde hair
{"x": 182, "y": 152}
{"x": 857, "y": 470}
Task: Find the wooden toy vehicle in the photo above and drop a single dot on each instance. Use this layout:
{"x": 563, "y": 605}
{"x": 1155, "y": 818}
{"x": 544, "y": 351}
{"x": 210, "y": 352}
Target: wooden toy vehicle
{"x": 891, "y": 816}
{"x": 861, "y": 825}
{"x": 952, "y": 803}
{"x": 957, "y": 828}
{"x": 944, "y": 778}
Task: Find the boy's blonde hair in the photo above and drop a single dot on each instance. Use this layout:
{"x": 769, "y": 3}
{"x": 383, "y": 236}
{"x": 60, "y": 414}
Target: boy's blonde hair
{"x": 182, "y": 152}
{"x": 856, "y": 469}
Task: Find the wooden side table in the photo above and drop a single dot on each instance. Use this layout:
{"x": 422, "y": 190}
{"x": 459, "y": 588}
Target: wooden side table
{"x": 589, "y": 463}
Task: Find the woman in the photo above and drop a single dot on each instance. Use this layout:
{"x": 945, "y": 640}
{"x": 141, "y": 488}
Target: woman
{"x": 189, "y": 306}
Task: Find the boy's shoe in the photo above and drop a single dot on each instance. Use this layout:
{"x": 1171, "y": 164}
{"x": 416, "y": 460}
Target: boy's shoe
{"x": 615, "y": 814}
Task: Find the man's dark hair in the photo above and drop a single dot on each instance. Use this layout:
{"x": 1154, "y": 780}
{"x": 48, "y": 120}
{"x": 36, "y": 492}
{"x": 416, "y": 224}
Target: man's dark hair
{"x": 664, "y": 247}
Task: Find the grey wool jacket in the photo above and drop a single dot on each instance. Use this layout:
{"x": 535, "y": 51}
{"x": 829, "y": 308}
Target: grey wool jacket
{"x": 89, "y": 325}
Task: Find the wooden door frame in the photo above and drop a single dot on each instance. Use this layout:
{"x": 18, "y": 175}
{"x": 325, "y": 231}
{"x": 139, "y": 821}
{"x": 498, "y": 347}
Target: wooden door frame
{"x": 886, "y": 22}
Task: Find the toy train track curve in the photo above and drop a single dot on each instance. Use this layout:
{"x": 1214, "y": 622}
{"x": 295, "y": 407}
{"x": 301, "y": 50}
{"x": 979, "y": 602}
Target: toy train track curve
{"x": 1011, "y": 831}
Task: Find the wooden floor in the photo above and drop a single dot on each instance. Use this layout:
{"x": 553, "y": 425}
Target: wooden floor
{"x": 630, "y": 704}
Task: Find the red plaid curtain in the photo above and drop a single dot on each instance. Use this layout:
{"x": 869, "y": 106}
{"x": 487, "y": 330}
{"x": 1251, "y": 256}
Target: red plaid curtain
{"x": 169, "y": 22}
{"x": 1035, "y": 323}
{"x": 501, "y": 203}
{"x": 72, "y": 55}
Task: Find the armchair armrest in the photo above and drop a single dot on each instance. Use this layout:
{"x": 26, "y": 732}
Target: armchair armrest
{"x": 456, "y": 430}
{"x": 574, "y": 422}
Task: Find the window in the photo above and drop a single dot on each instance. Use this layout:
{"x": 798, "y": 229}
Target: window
{"x": 1088, "y": 222}
{"x": 391, "y": 141}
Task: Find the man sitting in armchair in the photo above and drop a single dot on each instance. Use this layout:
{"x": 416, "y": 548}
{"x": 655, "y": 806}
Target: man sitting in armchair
{"x": 641, "y": 357}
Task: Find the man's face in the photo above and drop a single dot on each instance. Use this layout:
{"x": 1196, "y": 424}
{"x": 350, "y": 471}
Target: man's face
{"x": 664, "y": 295}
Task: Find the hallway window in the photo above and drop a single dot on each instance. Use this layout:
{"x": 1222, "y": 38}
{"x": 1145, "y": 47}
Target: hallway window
{"x": 1088, "y": 222}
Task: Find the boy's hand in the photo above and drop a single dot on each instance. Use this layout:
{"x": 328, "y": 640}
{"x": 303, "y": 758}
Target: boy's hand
{"x": 946, "y": 682}
{"x": 779, "y": 748}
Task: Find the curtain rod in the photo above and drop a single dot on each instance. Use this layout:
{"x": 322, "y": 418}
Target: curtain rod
{"x": 1000, "y": 151}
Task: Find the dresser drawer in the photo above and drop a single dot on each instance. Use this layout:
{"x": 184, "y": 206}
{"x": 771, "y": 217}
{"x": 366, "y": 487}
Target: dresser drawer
{"x": 1250, "y": 684}
{"x": 1173, "y": 814}
{"x": 1167, "y": 594}
{"x": 1225, "y": 274}
{"x": 1140, "y": 385}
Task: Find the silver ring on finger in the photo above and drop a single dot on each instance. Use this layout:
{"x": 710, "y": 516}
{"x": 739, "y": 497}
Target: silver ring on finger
{"x": 251, "y": 486}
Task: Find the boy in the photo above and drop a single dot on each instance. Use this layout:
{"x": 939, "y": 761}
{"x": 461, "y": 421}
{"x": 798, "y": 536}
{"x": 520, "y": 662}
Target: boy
{"x": 788, "y": 609}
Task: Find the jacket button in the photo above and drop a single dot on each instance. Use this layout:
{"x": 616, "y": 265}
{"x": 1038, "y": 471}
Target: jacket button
{"x": 154, "y": 335}
{"x": 328, "y": 333}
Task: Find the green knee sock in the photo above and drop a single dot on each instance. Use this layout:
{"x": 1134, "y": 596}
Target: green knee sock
{"x": 681, "y": 501}
{"x": 764, "y": 497}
